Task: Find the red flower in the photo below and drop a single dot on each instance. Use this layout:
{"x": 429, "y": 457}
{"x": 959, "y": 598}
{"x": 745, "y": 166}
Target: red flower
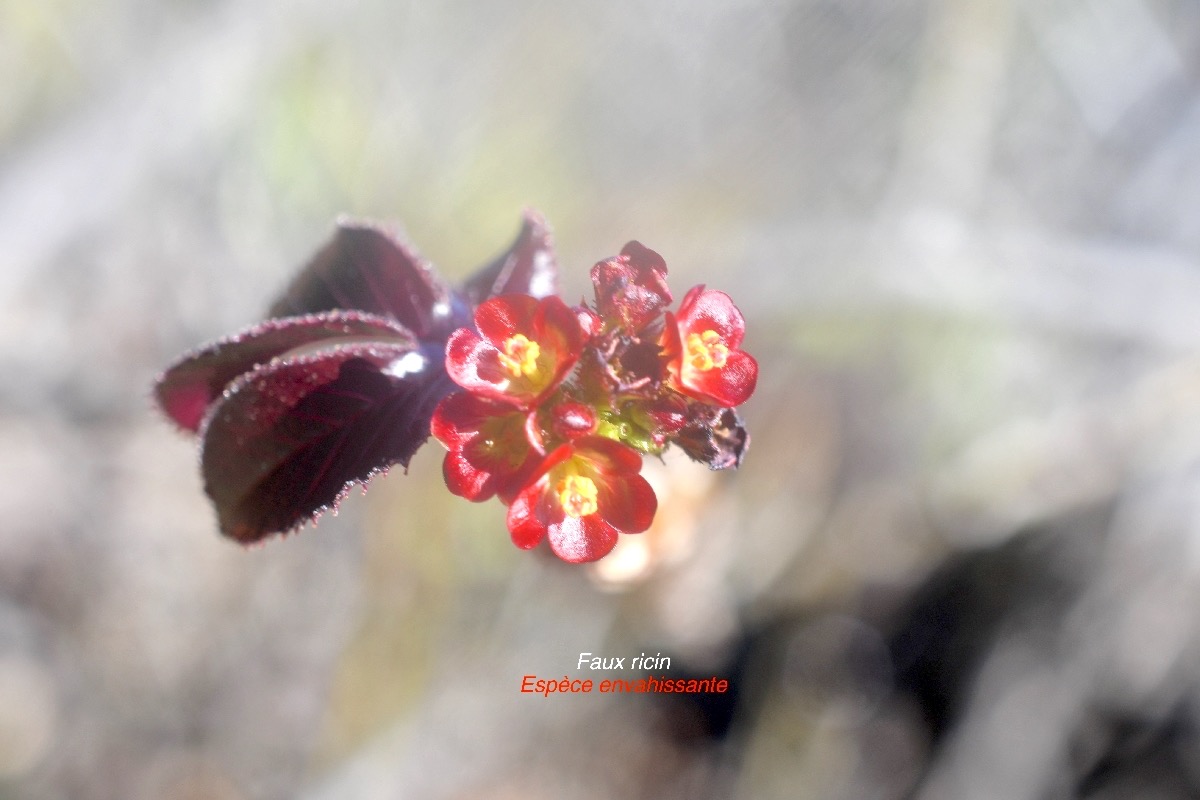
{"x": 587, "y": 491}
{"x": 632, "y": 288}
{"x": 523, "y": 350}
{"x": 489, "y": 451}
{"x": 701, "y": 346}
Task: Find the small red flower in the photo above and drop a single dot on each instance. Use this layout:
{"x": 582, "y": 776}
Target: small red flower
{"x": 587, "y": 491}
{"x": 523, "y": 350}
{"x": 489, "y": 451}
{"x": 571, "y": 420}
{"x": 631, "y": 288}
{"x": 701, "y": 346}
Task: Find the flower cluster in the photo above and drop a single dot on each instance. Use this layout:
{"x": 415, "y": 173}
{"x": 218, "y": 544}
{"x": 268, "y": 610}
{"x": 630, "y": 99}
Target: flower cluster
{"x": 548, "y": 407}
{"x": 558, "y": 404}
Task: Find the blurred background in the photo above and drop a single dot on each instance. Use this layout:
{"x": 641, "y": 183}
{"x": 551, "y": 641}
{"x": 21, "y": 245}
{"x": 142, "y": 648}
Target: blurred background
{"x": 961, "y": 560}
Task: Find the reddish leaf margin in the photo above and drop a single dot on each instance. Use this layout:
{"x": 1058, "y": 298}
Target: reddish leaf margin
{"x": 289, "y": 439}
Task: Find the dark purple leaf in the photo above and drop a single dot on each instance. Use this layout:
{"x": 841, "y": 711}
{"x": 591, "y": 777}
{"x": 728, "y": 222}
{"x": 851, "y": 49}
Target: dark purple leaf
{"x": 368, "y": 268}
{"x": 290, "y": 438}
{"x": 187, "y": 388}
{"x": 528, "y": 267}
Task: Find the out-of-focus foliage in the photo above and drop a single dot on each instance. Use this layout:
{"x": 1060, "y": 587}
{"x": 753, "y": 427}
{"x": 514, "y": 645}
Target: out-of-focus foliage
{"x": 959, "y": 559}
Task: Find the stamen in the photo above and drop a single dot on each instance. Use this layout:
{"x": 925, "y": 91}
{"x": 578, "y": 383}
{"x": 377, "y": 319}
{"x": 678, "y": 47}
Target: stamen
{"x": 706, "y": 350}
{"x": 520, "y": 356}
{"x": 577, "y": 495}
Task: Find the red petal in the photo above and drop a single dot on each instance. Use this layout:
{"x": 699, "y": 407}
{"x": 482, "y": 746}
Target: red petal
{"x": 608, "y": 456}
{"x": 625, "y": 499}
{"x": 501, "y": 317}
{"x": 464, "y": 480}
{"x": 472, "y": 363}
{"x": 555, "y": 316}
{"x": 459, "y": 417}
{"x": 581, "y": 539}
{"x": 703, "y": 310}
{"x": 524, "y": 524}
{"x": 627, "y": 502}
{"x": 730, "y": 385}
{"x": 556, "y": 326}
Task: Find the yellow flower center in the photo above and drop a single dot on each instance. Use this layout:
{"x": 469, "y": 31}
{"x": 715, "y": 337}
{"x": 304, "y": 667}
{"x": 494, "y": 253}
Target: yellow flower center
{"x": 520, "y": 356}
{"x": 577, "y": 495}
{"x": 706, "y": 350}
